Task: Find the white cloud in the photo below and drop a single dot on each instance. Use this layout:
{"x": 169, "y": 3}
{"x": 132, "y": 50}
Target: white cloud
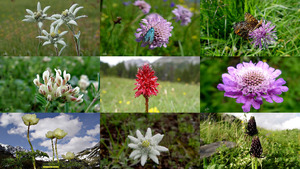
{"x": 273, "y": 121}
{"x": 95, "y": 131}
{"x": 115, "y": 60}
{"x": 14, "y": 119}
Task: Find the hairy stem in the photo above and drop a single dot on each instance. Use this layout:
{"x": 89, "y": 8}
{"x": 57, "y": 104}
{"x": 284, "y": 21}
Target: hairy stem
{"x": 77, "y": 46}
{"x": 47, "y": 106}
{"x": 33, "y": 159}
{"x": 52, "y": 149}
{"x": 56, "y": 150}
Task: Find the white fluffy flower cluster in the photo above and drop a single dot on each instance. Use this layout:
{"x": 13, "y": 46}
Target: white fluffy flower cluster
{"x": 57, "y": 87}
{"x": 147, "y": 146}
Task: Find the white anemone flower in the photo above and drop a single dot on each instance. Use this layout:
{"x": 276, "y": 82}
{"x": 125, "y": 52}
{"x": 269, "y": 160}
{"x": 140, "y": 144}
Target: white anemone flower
{"x": 68, "y": 16}
{"x": 147, "y": 146}
{"x": 39, "y": 16}
{"x": 53, "y": 37}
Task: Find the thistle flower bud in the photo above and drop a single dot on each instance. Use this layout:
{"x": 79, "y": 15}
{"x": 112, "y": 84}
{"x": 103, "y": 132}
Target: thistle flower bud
{"x": 256, "y": 148}
{"x": 251, "y": 127}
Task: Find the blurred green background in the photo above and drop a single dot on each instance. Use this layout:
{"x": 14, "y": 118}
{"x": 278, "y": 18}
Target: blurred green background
{"x": 18, "y": 38}
{"x": 213, "y": 100}
{"x": 218, "y": 17}
{"x": 18, "y": 92}
{"x": 119, "y": 40}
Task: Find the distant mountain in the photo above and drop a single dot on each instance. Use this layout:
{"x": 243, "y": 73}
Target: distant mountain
{"x": 177, "y": 60}
{"x": 90, "y": 155}
{"x": 8, "y": 149}
{"x": 137, "y": 62}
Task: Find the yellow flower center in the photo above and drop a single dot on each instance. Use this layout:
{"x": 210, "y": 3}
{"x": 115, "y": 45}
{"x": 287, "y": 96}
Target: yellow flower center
{"x": 53, "y": 34}
{"x": 145, "y": 143}
{"x": 65, "y": 13}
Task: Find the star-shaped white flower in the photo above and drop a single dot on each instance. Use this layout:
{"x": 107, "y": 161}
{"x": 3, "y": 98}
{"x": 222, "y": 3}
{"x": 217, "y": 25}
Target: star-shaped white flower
{"x": 53, "y": 37}
{"x": 68, "y": 16}
{"x": 39, "y": 16}
{"x": 146, "y": 146}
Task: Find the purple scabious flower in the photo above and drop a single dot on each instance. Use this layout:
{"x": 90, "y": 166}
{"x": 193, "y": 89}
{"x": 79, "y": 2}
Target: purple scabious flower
{"x": 263, "y": 33}
{"x": 172, "y": 4}
{"x": 145, "y": 7}
{"x": 162, "y": 31}
{"x": 249, "y": 83}
{"x": 182, "y": 14}
{"x": 126, "y": 3}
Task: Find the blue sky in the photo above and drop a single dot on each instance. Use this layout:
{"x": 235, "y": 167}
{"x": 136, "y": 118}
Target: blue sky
{"x": 83, "y": 131}
{"x": 273, "y": 121}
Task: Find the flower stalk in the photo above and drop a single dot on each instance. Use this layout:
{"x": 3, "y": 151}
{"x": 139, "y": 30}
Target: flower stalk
{"x": 56, "y": 151}
{"x": 33, "y": 159}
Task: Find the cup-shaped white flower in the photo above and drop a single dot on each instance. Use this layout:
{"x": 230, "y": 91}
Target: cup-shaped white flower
{"x": 39, "y": 16}
{"x": 68, "y": 16}
{"x": 69, "y": 156}
{"x": 57, "y": 87}
{"x": 59, "y": 133}
{"x": 145, "y": 147}
{"x": 30, "y": 119}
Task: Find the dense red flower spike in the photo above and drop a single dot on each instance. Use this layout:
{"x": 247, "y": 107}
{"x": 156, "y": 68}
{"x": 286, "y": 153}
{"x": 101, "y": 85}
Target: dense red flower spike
{"x": 146, "y": 82}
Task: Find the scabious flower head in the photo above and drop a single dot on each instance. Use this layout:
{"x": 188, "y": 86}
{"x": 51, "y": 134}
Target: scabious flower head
{"x": 251, "y": 127}
{"x": 59, "y": 133}
{"x": 182, "y": 14}
{"x": 53, "y": 37}
{"x": 144, "y": 6}
{"x": 39, "y": 16}
{"x": 30, "y": 119}
{"x": 263, "y": 34}
{"x": 69, "y": 156}
{"x": 57, "y": 87}
{"x": 146, "y": 82}
{"x": 68, "y": 16}
{"x": 145, "y": 147}
{"x": 256, "y": 148}
{"x": 162, "y": 31}
{"x": 249, "y": 83}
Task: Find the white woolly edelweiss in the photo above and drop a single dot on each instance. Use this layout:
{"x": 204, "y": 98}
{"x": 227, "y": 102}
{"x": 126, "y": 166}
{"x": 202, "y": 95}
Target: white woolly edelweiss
{"x": 57, "y": 87}
{"x": 147, "y": 146}
{"x": 39, "y": 16}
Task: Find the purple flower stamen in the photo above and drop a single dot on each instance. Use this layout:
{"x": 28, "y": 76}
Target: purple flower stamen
{"x": 263, "y": 35}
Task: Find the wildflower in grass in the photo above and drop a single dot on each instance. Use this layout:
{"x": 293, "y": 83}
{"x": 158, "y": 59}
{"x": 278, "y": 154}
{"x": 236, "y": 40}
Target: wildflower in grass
{"x": 84, "y": 82}
{"x": 251, "y": 127}
{"x": 127, "y": 3}
{"x": 69, "y": 18}
{"x": 263, "y": 35}
{"x": 58, "y": 134}
{"x": 146, "y": 83}
{"x": 255, "y": 150}
{"x": 69, "y": 156}
{"x": 30, "y": 119}
{"x": 145, "y": 147}
{"x": 128, "y": 102}
{"x": 50, "y": 134}
{"x": 39, "y": 16}
{"x": 162, "y": 31}
{"x": 153, "y": 110}
{"x": 144, "y": 6}
{"x": 120, "y": 102}
{"x": 172, "y": 4}
{"x": 182, "y": 14}
{"x": 184, "y": 93}
{"x": 57, "y": 87}
{"x": 249, "y": 83}
{"x": 54, "y": 38}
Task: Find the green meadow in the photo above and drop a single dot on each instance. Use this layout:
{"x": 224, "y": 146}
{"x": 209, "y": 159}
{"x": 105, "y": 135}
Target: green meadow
{"x": 117, "y": 95}
{"x": 18, "y": 38}
{"x": 217, "y": 37}
{"x": 119, "y": 39}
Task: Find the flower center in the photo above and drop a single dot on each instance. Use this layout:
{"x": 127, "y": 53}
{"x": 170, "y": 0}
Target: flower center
{"x": 65, "y": 13}
{"x": 253, "y": 78}
{"x": 146, "y": 143}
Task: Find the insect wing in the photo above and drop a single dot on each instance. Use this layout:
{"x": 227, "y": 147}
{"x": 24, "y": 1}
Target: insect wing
{"x": 251, "y": 20}
{"x": 149, "y": 37}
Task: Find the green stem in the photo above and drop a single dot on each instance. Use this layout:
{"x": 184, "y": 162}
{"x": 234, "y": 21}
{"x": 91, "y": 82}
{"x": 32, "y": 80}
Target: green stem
{"x": 47, "y": 106}
{"x": 56, "y": 51}
{"x": 94, "y": 100}
{"x": 77, "y": 46}
{"x": 255, "y": 163}
{"x": 52, "y": 149}
{"x": 67, "y": 107}
{"x": 56, "y": 150}
{"x": 33, "y": 159}
{"x": 252, "y": 164}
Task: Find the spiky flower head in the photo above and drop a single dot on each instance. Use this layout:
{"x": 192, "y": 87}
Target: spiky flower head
{"x": 256, "y": 148}
{"x": 57, "y": 88}
{"x": 249, "y": 83}
{"x": 251, "y": 127}
{"x": 147, "y": 146}
{"x": 263, "y": 36}
{"x": 162, "y": 31}
{"x": 182, "y": 14}
{"x": 146, "y": 82}
{"x": 144, "y": 6}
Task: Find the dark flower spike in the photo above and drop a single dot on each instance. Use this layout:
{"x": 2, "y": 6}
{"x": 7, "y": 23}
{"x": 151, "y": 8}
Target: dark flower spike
{"x": 251, "y": 127}
{"x": 256, "y": 148}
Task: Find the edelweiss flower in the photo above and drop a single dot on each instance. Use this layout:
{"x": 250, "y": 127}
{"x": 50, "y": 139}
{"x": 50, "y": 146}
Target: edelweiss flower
{"x": 249, "y": 83}
{"x": 182, "y": 14}
{"x": 144, "y": 6}
{"x": 39, "y": 16}
{"x": 68, "y": 16}
{"x": 146, "y": 146}
{"x": 162, "y": 31}
{"x": 53, "y": 37}
{"x": 57, "y": 87}
{"x": 263, "y": 34}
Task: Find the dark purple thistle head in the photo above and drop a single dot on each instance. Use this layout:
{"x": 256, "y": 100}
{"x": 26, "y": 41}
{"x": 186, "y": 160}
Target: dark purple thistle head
{"x": 251, "y": 127}
{"x": 256, "y": 148}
